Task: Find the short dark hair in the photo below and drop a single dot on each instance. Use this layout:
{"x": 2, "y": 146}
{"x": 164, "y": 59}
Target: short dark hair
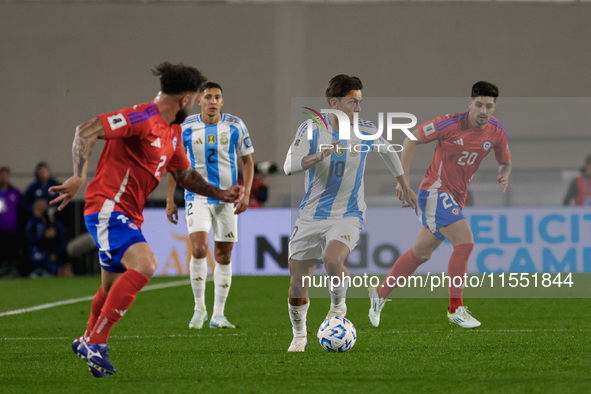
{"x": 486, "y": 89}
{"x": 178, "y": 78}
{"x": 5, "y": 169}
{"x": 40, "y": 165}
{"x": 342, "y": 84}
{"x": 210, "y": 85}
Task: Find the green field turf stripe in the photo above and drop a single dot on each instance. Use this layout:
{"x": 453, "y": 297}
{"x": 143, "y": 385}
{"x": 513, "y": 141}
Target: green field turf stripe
{"x": 243, "y": 334}
{"x": 89, "y": 298}
{"x": 488, "y": 331}
{"x": 192, "y": 335}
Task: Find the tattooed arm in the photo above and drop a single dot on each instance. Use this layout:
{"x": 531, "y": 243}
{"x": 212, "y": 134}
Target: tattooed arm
{"x": 86, "y": 136}
{"x": 193, "y": 181}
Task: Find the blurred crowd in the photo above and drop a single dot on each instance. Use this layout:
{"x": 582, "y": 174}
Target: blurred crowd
{"x": 579, "y": 189}
{"x": 33, "y": 237}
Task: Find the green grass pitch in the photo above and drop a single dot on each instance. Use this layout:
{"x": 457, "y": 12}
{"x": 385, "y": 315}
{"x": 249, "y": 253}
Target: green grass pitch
{"x": 523, "y": 345}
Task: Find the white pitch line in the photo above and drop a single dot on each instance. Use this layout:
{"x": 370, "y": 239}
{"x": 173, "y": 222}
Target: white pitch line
{"x": 89, "y": 298}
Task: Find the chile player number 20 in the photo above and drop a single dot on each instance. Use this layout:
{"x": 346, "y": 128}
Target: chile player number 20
{"x": 469, "y": 158}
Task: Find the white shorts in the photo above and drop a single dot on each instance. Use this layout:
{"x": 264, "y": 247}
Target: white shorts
{"x": 309, "y": 238}
{"x": 202, "y": 216}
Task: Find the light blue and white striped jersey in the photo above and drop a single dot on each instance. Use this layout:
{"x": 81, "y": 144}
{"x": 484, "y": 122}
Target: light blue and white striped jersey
{"x": 213, "y": 150}
{"x": 334, "y": 186}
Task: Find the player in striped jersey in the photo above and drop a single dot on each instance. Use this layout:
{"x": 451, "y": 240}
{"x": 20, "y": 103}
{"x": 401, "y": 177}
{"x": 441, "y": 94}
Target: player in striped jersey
{"x": 332, "y": 211}
{"x": 141, "y": 143}
{"x": 463, "y": 141}
{"x": 213, "y": 141}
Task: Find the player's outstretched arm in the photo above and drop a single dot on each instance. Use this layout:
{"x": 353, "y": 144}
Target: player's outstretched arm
{"x": 171, "y": 208}
{"x": 86, "y": 136}
{"x": 248, "y": 176}
{"x": 295, "y": 162}
{"x": 403, "y": 191}
{"x": 312, "y": 160}
{"x": 503, "y": 175}
{"x": 408, "y": 152}
{"x": 194, "y": 182}
{"x": 408, "y": 196}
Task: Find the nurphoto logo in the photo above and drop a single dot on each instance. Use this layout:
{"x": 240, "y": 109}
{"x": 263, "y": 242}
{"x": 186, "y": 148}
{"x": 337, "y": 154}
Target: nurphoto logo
{"x": 345, "y": 129}
{"x": 345, "y": 123}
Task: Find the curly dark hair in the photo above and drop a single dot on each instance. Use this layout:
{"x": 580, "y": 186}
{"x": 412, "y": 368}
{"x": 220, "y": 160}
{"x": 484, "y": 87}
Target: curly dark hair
{"x": 178, "y": 78}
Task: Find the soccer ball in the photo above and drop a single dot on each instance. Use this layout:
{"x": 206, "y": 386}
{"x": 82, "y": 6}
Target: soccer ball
{"x": 337, "y": 334}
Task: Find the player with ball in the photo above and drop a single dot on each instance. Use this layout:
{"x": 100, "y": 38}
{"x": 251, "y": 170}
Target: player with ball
{"x": 332, "y": 211}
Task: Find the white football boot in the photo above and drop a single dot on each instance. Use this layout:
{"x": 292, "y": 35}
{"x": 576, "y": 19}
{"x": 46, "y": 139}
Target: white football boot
{"x": 298, "y": 344}
{"x": 462, "y": 318}
{"x": 376, "y": 306}
{"x": 199, "y": 317}
{"x": 220, "y": 321}
{"x": 340, "y": 311}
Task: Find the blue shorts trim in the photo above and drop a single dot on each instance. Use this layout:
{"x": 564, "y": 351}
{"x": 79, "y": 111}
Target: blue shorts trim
{"x": 113, "y": 235}
{"x": 439, "y": 209}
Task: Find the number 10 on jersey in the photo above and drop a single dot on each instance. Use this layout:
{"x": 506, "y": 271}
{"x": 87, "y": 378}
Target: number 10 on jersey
{"x": 337, "y": 169}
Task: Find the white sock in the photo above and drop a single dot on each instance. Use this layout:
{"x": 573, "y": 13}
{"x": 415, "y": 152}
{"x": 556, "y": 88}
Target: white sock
{"x": 222, "y": 279}
{"x": 198, "y": 272}
{"x": 297, "y": 315}
{"x": 338, "y": 295}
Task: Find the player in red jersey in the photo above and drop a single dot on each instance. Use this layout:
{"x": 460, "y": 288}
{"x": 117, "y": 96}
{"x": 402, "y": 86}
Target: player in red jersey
{"x": 463, "y": 140}
{"x": 141, "y": 143}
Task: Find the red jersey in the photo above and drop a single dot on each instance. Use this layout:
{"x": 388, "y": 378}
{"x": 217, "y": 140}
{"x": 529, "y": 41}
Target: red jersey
{"x": 460, "y": 150}
{"x": 140, "y": 146}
